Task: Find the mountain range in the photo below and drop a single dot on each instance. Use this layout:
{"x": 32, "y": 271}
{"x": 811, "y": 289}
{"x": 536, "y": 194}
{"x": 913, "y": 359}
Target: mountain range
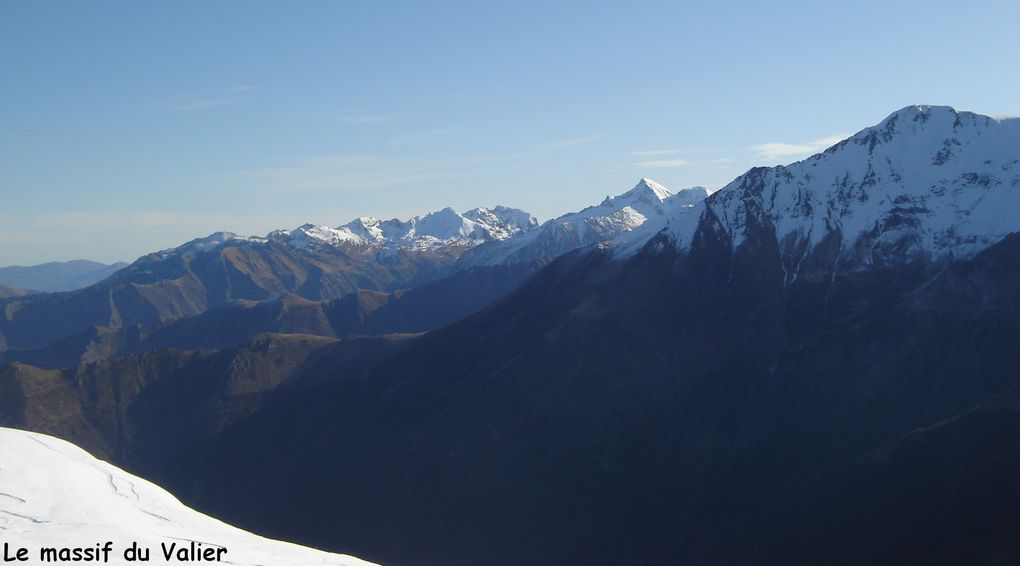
{"x": 58, "y": 275}
{"x": 396, "y": 267}
{"x": 814, "y": 364}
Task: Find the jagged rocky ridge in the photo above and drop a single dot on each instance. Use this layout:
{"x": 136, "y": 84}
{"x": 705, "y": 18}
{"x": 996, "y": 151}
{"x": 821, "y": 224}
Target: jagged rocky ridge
{"x": 445, "y": 228}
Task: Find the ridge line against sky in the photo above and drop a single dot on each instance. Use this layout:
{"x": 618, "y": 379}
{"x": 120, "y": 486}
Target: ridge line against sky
{"x": 130, "y": 128}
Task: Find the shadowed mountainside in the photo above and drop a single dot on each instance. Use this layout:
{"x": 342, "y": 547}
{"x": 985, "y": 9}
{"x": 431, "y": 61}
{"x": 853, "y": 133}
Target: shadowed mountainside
{"x": 675, "y": 409}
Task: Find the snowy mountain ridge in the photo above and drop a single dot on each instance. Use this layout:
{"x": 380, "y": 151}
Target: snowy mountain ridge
{"x": 927, "y": 181}
{"x": 444, "y": 228}
{"x": 54, "y": 494}
{"x": 640, "y": 212}
{"x": 512, "y": 235}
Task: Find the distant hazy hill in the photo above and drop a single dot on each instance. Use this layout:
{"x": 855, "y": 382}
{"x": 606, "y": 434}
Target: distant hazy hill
{"x": 57, "y": 275}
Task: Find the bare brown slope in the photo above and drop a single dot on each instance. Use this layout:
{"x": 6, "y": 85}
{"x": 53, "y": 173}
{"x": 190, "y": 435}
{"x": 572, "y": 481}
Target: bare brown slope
{"x": 157, "y": 289}
{"x": 7, "y": 292}
{"x": 364, "y": 312}
{"x": 140, "y": 410}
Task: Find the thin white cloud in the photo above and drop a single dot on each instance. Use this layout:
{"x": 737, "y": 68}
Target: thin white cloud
{"x": 217, "y": 98}
{"x": 203, "y": 104}
{"x": 662, "y": 163}
{"x": 366, "y": 119}
{"x": 656, "y": 152}
{"x": 419, "y": 136}
{"x": 241, "y": 88}
{"x": 564, "y": 144}
{"x": 775, "y": 150}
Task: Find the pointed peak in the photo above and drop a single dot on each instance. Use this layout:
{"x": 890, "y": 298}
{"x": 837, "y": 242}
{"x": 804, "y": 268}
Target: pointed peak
{"x": 647, "y": 185}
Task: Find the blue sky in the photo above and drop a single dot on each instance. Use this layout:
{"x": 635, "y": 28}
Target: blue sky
{"x": 130, "y": 127}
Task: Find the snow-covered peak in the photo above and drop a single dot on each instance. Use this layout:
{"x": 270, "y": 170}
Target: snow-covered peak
{"x": 646, "y": 185}
{"x": 926, "y": 181}
{"x": 445, "y": 224}
{"x": 444, "y": 228}
{"x": 54, "y": 494}
{"x": 210, "y": 242}
{"x": 371, "y": 230}
{"x": 646, "y": 207}
{"x": 916, "y": 127}
{"x": 646, "y": 191}
{"x": 691, "y": 196}
{"x": 510, "y": 220}
{"x": 310, "y": 235}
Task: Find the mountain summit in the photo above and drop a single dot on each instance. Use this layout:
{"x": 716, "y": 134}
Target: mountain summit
{"x": 617, "y": 219}
{"x": 928, "y": 181}
{"x": 646, "y": 190}
{"x": 443, "y": 228}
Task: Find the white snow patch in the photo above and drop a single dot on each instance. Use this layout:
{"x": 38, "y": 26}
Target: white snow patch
{"x": 54, "y": 494}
